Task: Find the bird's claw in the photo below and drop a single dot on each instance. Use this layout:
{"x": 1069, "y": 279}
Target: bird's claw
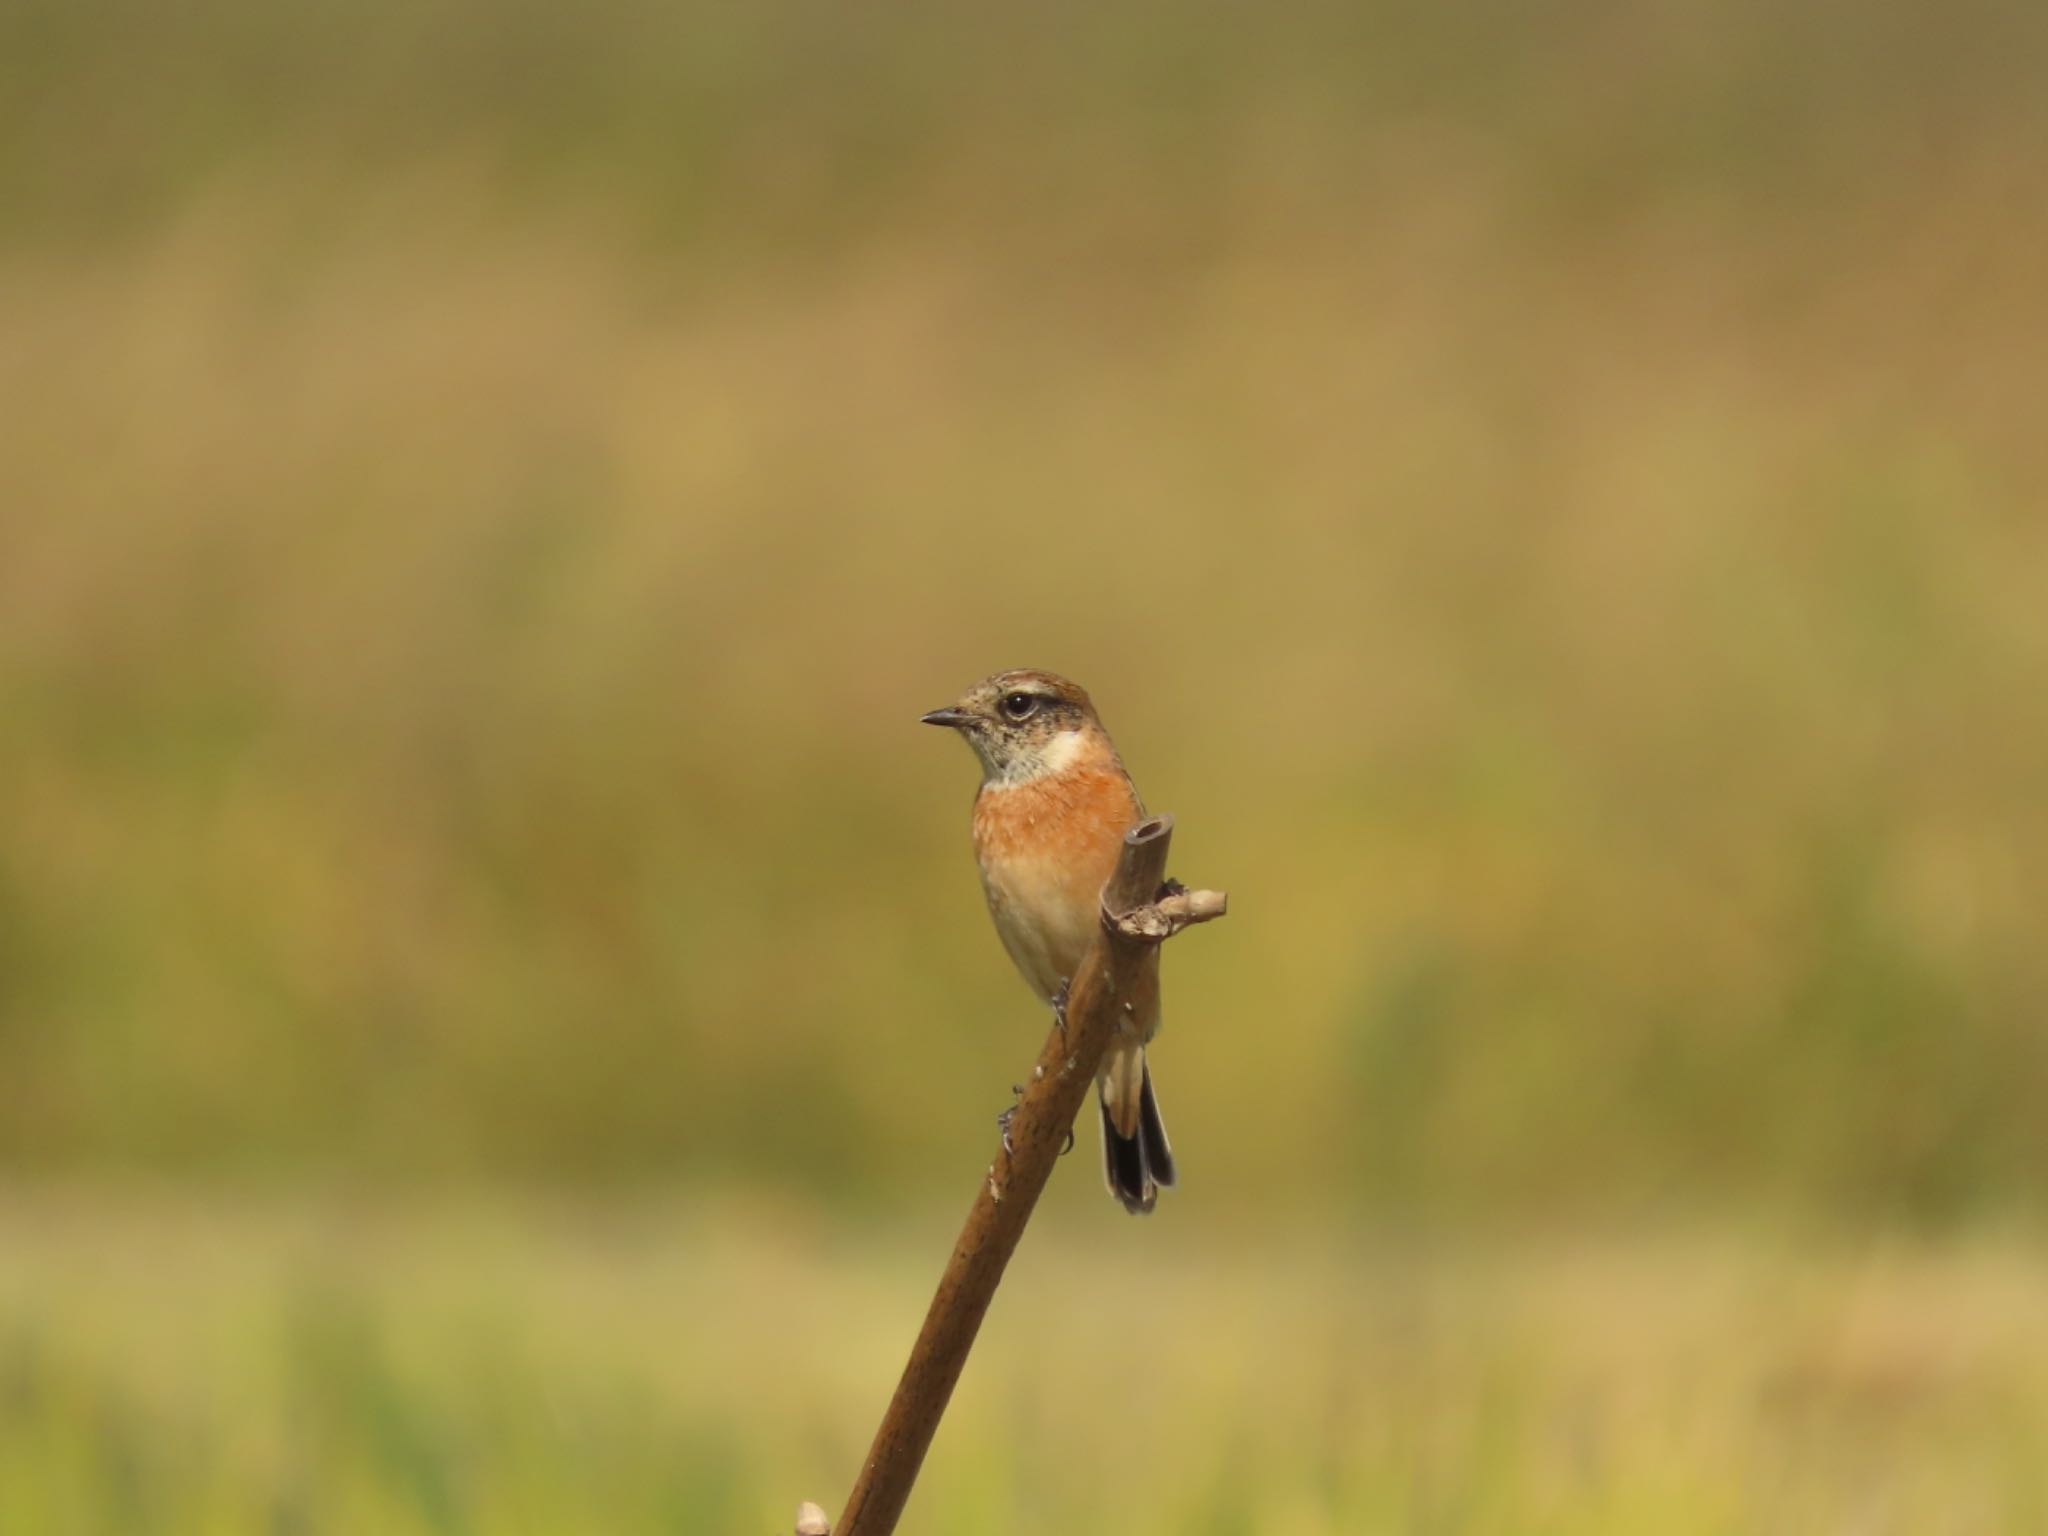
{"x": 1003, "y": 1121}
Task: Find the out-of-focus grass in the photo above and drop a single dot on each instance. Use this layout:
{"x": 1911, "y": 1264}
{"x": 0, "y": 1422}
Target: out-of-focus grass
{"x": 689, "y": 1369}
{"x": 1552, "y": 501}
{"x": 1551, "y": 498}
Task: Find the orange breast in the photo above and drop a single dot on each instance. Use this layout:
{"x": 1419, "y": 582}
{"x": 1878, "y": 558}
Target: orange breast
{"x": 1045, "y": 847}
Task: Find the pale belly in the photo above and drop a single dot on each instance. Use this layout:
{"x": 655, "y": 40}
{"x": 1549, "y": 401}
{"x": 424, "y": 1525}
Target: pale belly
{"x": 1046, "y": 915}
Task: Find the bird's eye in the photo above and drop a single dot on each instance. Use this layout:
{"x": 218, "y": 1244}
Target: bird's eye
{"x": 1019, "y": 706}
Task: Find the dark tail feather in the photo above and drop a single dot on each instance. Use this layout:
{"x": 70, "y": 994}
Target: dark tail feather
{"x": 1152, "y": 1132}
{"x": 1137, "y": 1165}
{"x": 1123, "y": 1165}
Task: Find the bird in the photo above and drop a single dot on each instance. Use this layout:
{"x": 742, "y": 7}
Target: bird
{"x": 1049, "y": 824}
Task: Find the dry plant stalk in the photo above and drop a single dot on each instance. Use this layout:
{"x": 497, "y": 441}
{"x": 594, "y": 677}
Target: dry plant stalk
{"x": 1139, "y": 911}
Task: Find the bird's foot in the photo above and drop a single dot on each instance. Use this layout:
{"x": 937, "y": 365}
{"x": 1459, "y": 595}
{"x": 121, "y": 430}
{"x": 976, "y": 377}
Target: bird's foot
{"x": 1003, "y": 1119}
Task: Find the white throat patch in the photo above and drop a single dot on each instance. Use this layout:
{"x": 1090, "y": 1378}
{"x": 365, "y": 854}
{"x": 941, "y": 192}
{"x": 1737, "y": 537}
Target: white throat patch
{"x": 1060, "y": 753}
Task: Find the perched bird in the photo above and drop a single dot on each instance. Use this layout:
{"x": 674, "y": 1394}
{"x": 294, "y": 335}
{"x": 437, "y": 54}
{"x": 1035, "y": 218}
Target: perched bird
{"x": 1049, "y": 823}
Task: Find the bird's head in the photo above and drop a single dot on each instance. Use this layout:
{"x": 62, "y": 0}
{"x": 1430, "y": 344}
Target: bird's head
{"x": 1025, "y": 724}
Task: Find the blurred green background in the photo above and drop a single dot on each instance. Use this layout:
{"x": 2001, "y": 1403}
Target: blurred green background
{"x": 1550, "y": 497}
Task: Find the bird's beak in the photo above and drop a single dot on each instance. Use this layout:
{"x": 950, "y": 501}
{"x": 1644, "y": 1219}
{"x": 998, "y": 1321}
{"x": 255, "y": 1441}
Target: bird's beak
{"x": 948, "y": 716}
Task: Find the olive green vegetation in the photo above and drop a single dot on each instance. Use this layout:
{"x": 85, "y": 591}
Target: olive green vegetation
{"x": 1551, "y": 498}
{"x": 1552, "y": 501}
{"x": 695, "y": 1369}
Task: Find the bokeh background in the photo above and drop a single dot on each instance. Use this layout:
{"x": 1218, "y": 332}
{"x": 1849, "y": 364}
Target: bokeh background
{"x": 496, "y": 1017}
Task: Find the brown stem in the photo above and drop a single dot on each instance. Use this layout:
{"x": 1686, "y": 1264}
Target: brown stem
{"x": 1136, "y": 916}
